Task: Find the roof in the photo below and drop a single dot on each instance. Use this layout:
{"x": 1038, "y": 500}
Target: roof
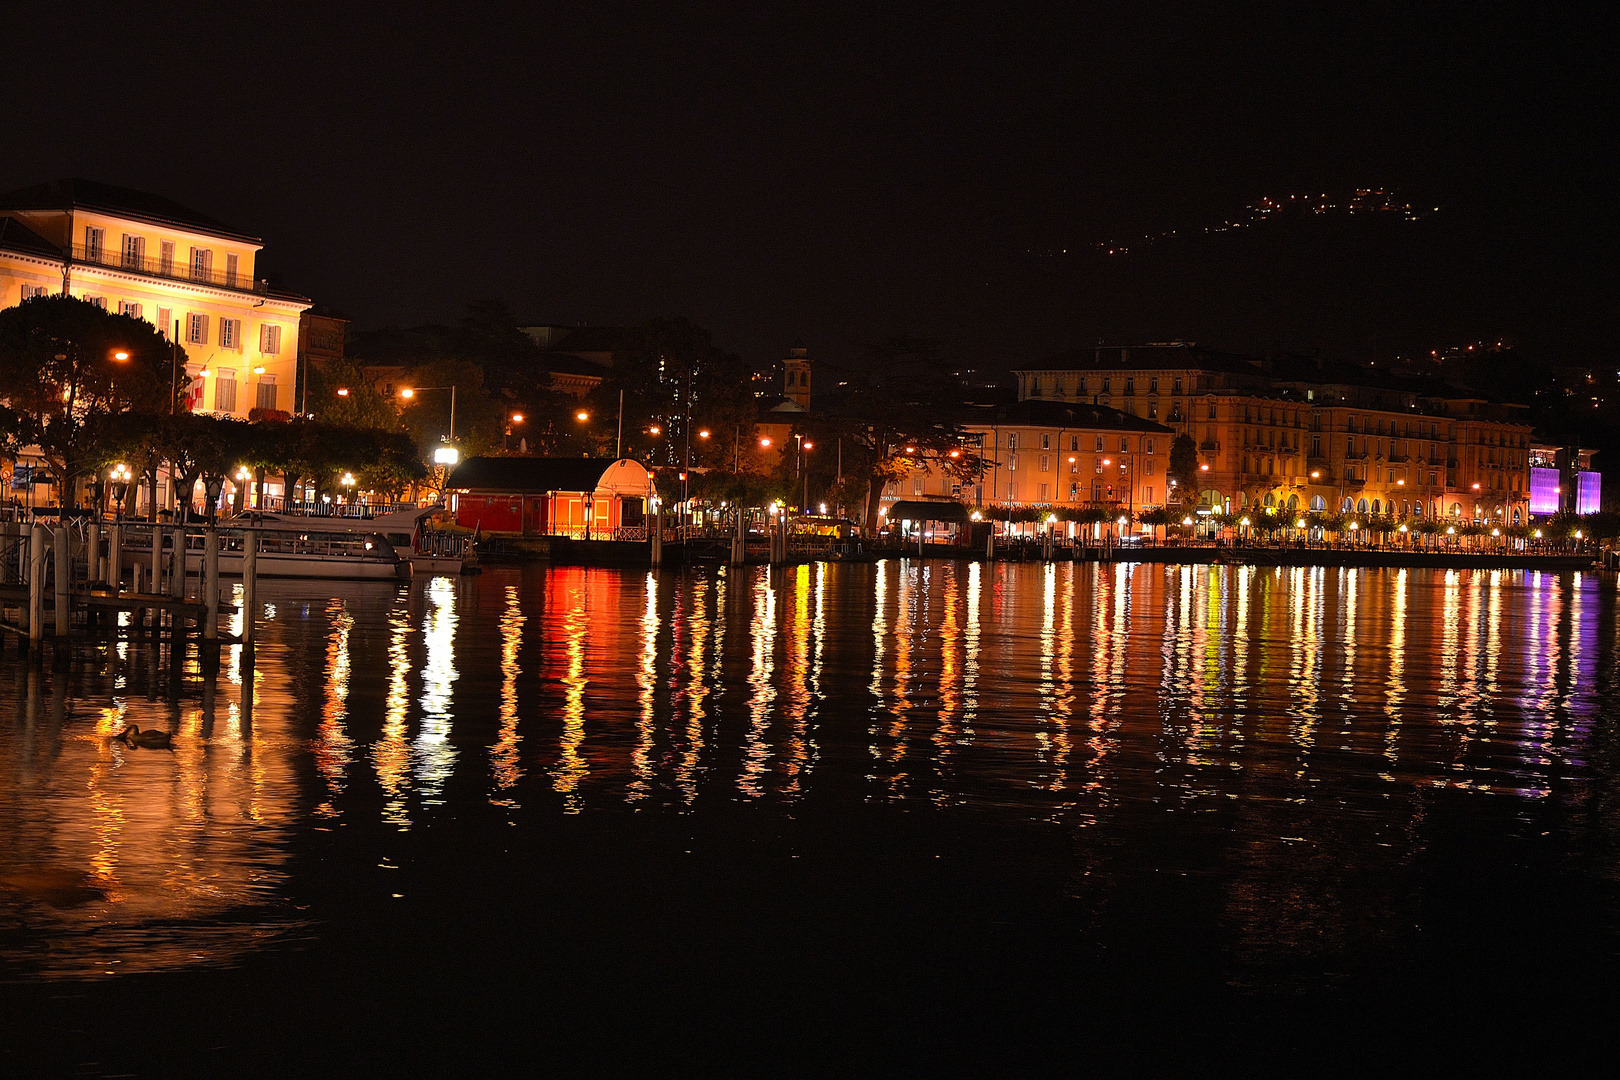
{"x": 15, "y": 236}
{"x": 922, "y": 510}
{"x": 1036, "y": 412}
{"x": 529, "y": 474}
{"x": 1145, "y": 358}
{"x": 562, "y": 363}
{"x": 77, "y": 194}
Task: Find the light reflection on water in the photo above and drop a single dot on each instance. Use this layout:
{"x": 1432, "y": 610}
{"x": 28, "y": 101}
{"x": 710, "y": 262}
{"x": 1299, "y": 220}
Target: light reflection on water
{"x": 1300, "y": 710}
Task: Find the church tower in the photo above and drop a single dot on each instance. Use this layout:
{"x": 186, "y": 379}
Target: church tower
{"x": 796, "y": 372}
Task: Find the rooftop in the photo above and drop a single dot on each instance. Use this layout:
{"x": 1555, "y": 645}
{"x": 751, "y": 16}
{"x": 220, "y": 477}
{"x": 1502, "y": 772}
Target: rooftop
{"x": 78, "y": 194}
{"x": 528, "y": 474}
{"x": 1055, "y": 414}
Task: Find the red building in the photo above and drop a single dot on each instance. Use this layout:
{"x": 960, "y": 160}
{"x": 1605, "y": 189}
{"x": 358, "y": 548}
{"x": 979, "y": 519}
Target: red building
{"x": 594, "y": 498}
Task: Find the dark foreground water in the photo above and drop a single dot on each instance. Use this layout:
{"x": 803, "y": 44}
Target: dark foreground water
{"x": 905, "y": 818}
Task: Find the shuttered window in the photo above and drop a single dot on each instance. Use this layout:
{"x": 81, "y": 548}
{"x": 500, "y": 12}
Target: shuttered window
{"x": 196, "y": 328}
{"x": 225, "y": 392}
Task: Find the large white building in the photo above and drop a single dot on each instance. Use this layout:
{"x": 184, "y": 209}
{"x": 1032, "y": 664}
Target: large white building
{"x": 184, "y": 272}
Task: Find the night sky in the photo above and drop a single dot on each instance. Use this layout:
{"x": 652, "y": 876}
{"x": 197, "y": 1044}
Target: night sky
{"x": 826, "y": 178}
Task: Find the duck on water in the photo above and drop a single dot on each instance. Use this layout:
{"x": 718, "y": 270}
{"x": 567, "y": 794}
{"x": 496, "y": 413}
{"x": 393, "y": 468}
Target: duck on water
{"x": 152, "y": 739}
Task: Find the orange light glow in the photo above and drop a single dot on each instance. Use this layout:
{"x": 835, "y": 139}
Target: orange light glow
{"x": 343, "y": 391}
{"x": 582, "y": 416}
{"x": 764, "y": 442}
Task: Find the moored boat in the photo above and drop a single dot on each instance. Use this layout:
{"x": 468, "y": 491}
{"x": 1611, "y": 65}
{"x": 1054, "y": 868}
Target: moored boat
{"x": 428, "y": 551}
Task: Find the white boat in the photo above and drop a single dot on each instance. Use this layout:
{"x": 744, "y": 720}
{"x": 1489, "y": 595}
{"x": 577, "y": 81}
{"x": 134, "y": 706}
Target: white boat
{"x": 306, "y": 553}
{"x": 428, "y": 552}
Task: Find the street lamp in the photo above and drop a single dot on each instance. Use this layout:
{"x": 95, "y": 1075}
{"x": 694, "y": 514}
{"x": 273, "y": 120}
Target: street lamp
{"x": 242, "y": 477}
{"x": 343, "y": 391}
{"x": 120, "y": 477}
{"x": 213, "y": 484}
{"x": 409, "y": 392}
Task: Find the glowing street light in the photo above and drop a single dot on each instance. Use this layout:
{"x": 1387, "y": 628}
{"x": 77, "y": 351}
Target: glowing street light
{"x": 446, "y": 455}
{"x": 582, "y": 416}
{"x": 517, "y": 418}
{"x": 704, "y": 434}
{"x": 407, "y": 393}
{"x": 343, "y": 391}
{"x": 765, "y": 442}
{"x": 120, "y": 356}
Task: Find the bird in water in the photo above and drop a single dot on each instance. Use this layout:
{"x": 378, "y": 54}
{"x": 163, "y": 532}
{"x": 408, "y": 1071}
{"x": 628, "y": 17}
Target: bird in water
{"x": 152, "y": 739}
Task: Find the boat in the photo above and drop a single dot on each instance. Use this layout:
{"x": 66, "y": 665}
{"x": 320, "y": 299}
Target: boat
{"x": 291, "y": 552}
{"x": 429, "y": 551}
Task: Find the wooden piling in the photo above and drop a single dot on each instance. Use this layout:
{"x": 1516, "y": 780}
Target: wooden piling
{"x": 92, "y": 555}
{"x": 177, "y": 563}
{"x": 655, "y": 537}
{"x": 210, "y": 584}
{"x": 62, "y": 559}
{"x": 250, "y": 582}
{"x": 157, "y": 556}
{"x": 739, "y": 540}
{"x": 36, "y": 585}
{"x": 990, "y": 541}
{"x": 115, "y": 556}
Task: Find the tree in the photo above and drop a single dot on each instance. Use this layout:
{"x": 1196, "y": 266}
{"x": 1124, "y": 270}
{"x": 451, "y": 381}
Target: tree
{"x": 891, "y": 419}
{"x": 1183, "y": 470}
{"x": 359, "y": 405}
{"x": 671, "y": 371}
{"x": 66, "y": 367}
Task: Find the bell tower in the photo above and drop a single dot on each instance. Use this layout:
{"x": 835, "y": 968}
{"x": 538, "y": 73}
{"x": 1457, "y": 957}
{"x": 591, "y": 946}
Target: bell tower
{"x": 796, "y": 376}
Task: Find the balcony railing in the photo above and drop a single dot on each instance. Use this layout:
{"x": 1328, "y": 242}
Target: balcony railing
{"x": 173, "y": 269}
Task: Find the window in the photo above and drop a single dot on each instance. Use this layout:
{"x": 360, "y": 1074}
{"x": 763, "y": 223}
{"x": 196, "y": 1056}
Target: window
{"x": 1043, "y": 495}
{"x": 1046, "y": 441}
{"x": 196, "y": 328}
{"x": 1147, "y": 469}
{"x": 1012, "y": 491}
{"x": 267, "y": 394}
{"x": 1099, "y": 444}
{"x": 1177, "y": 385}
{"x": 1124, "y": 445}
{"x": 134, "y": 251}
{"x": 95, "y": 242}
{"x": 1153, "y": 386}
{"x": 164, "y": 315}
{"x": 1046, "y": 463}
{"x": 269, "y": 339}
{"x": 1212, "y": 410}
{"x": 230, "y": 333}
{"x": 225, "y": 390}
{"x": 1074, "y": 442}
{"x": 1074, "y": 492}
{"x": 202, "y": 264}
{"x": 1098, "y": 462}
{"x": 916, "y": 484}
{"x": 1147, "y": 495}
{"x": 1153, "y": 410}
{"x": 31, "y": 291}
{"x": 1107, "y": 380}
{"x": 1147, "y": 446}
{"x": 230, "y": 269}
{"x": 130, "y": 308}
{"x": 1130, "y": 386}
{"x": 1080, "y": 387}
{"x": 1012, "y": 463}
{"x": 166, "y": 258}
{"x": 1035, "y": 386}
{"x": 99, "y": 301}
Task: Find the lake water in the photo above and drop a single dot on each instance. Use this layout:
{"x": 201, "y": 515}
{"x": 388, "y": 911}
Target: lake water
{"x": 932, "y": 817}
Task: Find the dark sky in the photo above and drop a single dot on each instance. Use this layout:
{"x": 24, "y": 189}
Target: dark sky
{"x": 828, "y": 177}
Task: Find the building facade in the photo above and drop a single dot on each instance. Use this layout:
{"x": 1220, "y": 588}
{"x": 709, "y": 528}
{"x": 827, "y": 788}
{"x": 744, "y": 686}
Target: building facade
{"x": 1301, "y": 434}
{"x": 1053, "y": 454}
{"x": 188, "y": 275}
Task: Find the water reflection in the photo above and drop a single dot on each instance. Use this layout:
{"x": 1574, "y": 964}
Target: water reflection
{"x": 1297, "y": 719}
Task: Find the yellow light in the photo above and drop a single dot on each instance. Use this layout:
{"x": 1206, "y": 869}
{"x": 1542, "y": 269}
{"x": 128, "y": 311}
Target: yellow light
{"x": 1186, "y": 521}
{"x": 407, "y": 392}
{"x": 1316, "y": 474}
{"x": 1354, "y": 526}
{"x": 258, "y": 370}
{"x": 243, "y": 474}
{"x": 704, "y": 434}
{"x": 343, "y": 391}
{"x": 958, "y": 453}
{"x": 203, "y": 374}
{"x": 1577, "y": 534}
{"x": 1538, "y": 534}
{"x": 1451, "y": 530}
{"x": 582, "y": 416}
{"x": 808, "y": 445}
{"x": 1300, "y": 524}
{"x": 1107, "y": 461}
{"x": 764, "y": 442}
{"x": 517, "y": 418}
{"x": 1203, "y": 468}
{"x": 1245, "y": 521}
{"x": 655, "y": 430}
{"x": 1071, "y": 459}
{"x": 883, "y": 511}
{"x": 1051, "y": 519}
{"x": 1400, "y": 483}
{"x": 120, "y": 355}
{"x": 1123, "y": 521}
{"x": 911, "y": 449}
{"x": 976, "y": 516}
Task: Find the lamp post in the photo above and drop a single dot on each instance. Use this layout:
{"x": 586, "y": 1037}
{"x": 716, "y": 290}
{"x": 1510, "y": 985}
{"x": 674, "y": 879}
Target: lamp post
{"x": 514, "y": 418}
{"x": 409, "y": 392}
{"x": 120, "y": 477}
{"x": 213, "y": 484}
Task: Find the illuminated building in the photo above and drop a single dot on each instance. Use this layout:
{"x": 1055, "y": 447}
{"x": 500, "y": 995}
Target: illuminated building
{"x": 1051, "y": 453}
{"x": 143, "y": 255}
{"x": 1300, "y": 433}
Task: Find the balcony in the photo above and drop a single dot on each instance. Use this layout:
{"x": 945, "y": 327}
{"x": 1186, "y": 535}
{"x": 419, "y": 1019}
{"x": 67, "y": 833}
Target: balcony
{"x": 1209, "y": 444}
{"x": 172, "y": 269}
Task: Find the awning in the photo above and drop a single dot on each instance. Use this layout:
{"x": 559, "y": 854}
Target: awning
{"x": 918, "y": 510}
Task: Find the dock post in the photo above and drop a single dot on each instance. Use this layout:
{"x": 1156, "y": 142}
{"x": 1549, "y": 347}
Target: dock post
{"x": 63, "y": 560}
{"x": 655, "y": 534}
{"x": 739, "y": 542}
{"x": 36, "y": 586}
{"x": 92, "y": 554}
{"x": 250, "y": 571}
{"x": 115, "y": 557}
{"x": 210, "y": 584}
{"x": 990, "y": 541}
{"x": 177, "y": 564}
{"x": 157, "y": 556}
